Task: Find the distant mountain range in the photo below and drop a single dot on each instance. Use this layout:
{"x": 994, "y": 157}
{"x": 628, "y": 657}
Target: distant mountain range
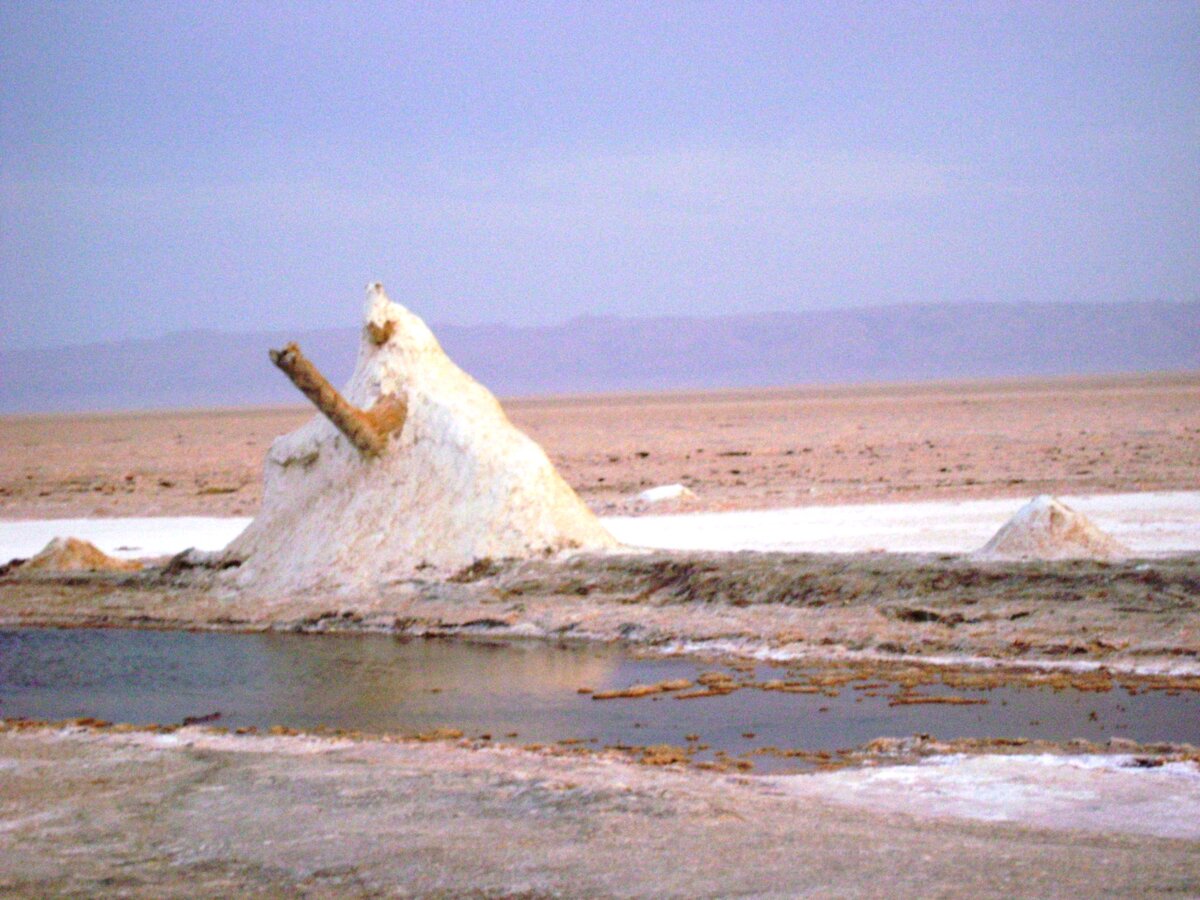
{"x": 597, "y": 354}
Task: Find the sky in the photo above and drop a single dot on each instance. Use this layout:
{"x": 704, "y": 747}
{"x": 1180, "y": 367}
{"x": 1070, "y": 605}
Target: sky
{"x": 248, "y": 166}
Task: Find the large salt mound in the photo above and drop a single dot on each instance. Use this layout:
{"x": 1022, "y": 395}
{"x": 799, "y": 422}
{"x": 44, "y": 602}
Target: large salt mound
{"x": 1046, "y": 528}
{"x": 73, "y": 555}
{"x": 456, "y": 484}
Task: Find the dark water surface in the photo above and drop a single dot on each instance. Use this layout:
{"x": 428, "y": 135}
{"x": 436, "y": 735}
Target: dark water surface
{"x": 386, "y": 684}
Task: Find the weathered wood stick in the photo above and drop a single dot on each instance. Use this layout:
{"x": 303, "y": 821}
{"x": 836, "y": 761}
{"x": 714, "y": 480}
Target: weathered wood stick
{"x": 368, "y": 431}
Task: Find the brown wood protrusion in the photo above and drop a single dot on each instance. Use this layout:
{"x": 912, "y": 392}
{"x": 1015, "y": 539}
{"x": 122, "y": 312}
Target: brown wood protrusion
{"x": 367, "y": 431}
{"x": 388, "y": 414}
{"x": 381, "y": 334}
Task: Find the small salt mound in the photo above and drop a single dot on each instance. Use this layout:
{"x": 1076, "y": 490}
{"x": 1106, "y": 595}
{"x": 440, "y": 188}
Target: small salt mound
{"x": 664, "y": 492}
{"x": 1046, "y": 528}
{"x": 73, "y": 555}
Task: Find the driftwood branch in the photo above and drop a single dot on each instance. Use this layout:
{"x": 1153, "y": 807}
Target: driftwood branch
{"x": 369, "y": 430}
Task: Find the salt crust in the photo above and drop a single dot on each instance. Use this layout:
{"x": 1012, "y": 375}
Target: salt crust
{"x": 458, "y": 483}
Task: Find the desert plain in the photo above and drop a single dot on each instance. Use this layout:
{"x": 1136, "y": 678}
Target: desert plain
{"x": 88, "y": 808}
{"x": 733, "y": 449}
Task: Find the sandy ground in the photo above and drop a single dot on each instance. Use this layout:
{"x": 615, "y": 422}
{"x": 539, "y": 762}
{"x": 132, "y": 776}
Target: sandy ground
{"x": 735, "y": 450}
{"x": 193, "y": 814}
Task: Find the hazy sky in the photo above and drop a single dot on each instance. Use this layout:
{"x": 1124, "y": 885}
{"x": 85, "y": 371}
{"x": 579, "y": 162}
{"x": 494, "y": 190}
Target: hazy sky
{"x": 252, "y": 165}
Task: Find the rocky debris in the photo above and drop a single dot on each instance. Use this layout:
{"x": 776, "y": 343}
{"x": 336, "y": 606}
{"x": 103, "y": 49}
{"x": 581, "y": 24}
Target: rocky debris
{"x": 454, "y": 484}
{"x": 1046, "y": 528}
{"x": 74, "y": 555}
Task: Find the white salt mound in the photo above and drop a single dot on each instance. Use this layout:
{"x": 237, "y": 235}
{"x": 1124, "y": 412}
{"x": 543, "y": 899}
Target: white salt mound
{"x": 1046, "y": 528}
{"x": 74, "y": 555}
{"x": 456, "y": 484}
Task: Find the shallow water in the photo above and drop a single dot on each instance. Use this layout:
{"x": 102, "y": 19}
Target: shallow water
{"x": 517, "y": 692}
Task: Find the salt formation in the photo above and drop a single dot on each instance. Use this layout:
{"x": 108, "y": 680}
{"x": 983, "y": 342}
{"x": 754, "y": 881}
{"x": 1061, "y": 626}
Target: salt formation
{"x": 73, "y": 555}
{"x": 1046, "y": 528}
{"x": 457, "y": 482}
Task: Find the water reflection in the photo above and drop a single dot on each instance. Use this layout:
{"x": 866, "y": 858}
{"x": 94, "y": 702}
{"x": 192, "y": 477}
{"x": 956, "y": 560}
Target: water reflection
{"x": 403, "y": 683}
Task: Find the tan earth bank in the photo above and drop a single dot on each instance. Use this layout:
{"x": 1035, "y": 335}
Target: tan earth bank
{"x": 1130, "y": 616}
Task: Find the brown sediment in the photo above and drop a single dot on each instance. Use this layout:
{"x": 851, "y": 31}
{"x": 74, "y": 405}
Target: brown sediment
{"x": 674, "y": 684}
{"x": 706, "y": 692}
{"x": 637, "y": 690}
{"x": 640, "y": 690}
{"x": 909, "y": 700}
{"x": 664, "y": 755}
{"x": 787, "y": 687}
{"x": 441, "y": 733}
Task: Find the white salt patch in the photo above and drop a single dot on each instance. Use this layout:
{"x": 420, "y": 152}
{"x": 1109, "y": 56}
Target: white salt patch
{"x": 664, "y": 492}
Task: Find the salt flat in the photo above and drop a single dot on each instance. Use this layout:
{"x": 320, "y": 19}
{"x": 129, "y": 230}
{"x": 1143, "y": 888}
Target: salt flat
{"x": 1149, "y": 523}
